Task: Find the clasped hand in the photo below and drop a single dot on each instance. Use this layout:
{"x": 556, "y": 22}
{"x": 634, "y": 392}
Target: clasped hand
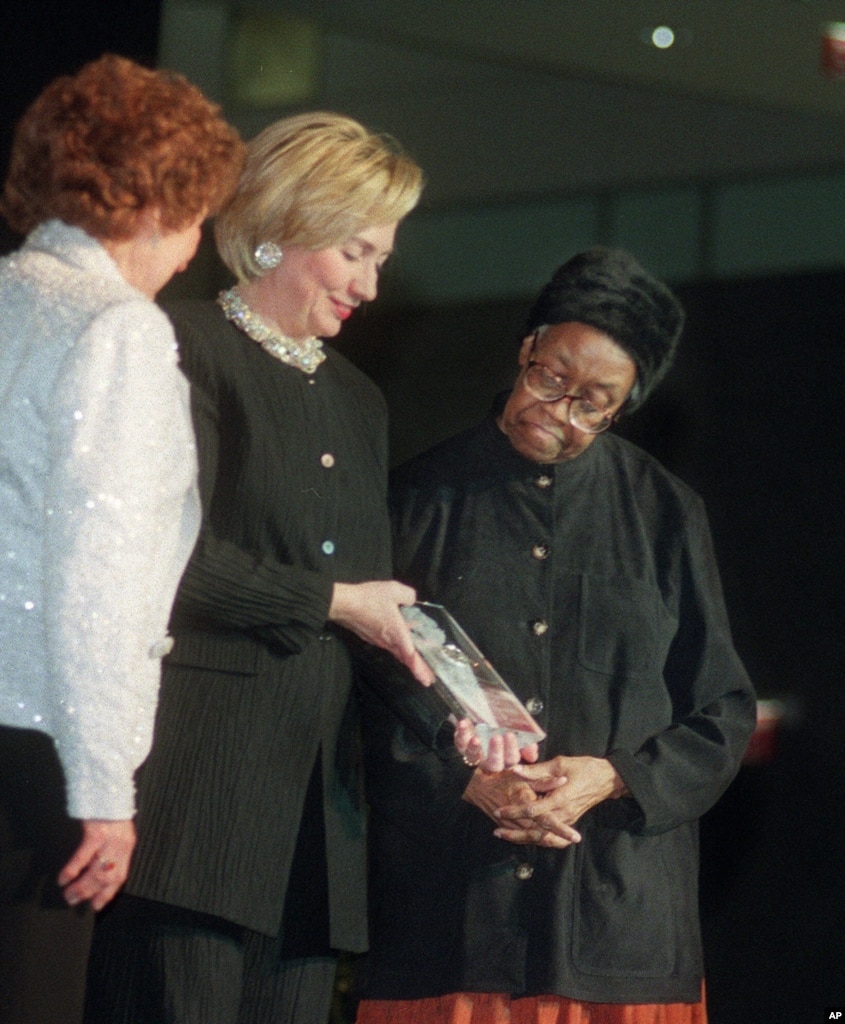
{"x": 539, "y": 804}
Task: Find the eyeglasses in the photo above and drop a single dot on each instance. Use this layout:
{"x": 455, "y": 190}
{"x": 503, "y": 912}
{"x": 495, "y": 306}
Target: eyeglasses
{"x": 540, "y": 382}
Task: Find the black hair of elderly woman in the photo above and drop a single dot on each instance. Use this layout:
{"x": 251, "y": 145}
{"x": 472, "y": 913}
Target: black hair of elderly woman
{"x": 250, "y": 864}
{"x": 608, "y": 289}
{"x": 112, "y": 171}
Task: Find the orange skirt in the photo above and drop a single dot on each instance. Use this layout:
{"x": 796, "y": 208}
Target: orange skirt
{"x": 492, "y": 1008}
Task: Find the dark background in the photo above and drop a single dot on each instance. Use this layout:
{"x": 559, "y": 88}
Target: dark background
{"x": 751, "y": 417}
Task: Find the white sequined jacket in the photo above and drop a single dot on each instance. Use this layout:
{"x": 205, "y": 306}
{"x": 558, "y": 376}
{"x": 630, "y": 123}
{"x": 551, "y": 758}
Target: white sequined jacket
{"x": 99, "y": 509}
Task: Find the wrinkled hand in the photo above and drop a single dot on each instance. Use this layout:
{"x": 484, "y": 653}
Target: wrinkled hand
{"x": 371, "y": 611}
{"x": 502, "y": 751}
{"x": 549, "y": 819}
{"x": 489, "y": 791}
{"x": 100, "y": 864}
{"x": 492, "y": 793}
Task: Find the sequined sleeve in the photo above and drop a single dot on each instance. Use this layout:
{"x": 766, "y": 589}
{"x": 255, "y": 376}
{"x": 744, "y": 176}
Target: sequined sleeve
{"x": 122, "y": 516}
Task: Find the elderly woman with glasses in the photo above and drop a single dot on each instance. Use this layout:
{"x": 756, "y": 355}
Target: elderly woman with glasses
{"x": 563, "y": 891}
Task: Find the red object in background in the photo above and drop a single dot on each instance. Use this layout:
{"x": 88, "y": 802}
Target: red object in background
{"x": 762, "y": 746}
{"x": 833, "y": 50}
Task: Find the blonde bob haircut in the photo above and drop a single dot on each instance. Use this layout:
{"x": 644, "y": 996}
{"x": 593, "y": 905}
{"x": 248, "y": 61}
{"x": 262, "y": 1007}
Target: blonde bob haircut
{"x": 314, "y": 180}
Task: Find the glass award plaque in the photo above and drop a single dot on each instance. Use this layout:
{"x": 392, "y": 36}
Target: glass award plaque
{"x": 466, "y": 680}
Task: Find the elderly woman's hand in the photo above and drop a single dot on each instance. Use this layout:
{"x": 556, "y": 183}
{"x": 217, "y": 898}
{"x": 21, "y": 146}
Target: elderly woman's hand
{"x": 371, "y": 611}
{"x": 492, "y": 792}
{"x": 556, "y": 807}
{"x": 489, "y": 791}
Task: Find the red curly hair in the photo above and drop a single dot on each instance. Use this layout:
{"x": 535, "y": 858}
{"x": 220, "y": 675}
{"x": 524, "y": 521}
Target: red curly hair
{"x": 98, "y": 148}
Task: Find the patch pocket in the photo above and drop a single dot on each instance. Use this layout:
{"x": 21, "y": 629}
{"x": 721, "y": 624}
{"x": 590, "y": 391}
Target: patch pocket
{"x": 618, "y": 626}
{"x": 625, "y": 921}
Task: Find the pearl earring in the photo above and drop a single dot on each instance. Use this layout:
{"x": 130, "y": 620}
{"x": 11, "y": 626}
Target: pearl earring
{"x": 268, "y": 255}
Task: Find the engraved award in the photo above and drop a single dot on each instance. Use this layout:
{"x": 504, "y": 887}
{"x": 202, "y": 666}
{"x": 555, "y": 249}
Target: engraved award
{"x": 466, "y": 680}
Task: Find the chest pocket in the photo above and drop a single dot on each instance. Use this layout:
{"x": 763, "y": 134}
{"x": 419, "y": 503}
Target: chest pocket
{"x": 619, "y": 629}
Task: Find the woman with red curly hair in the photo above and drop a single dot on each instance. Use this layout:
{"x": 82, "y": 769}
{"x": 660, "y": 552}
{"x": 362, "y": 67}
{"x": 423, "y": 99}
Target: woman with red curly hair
{"x": 112, "y": 172}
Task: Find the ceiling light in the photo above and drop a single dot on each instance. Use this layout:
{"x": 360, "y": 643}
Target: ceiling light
{"x": 662, "y": 37}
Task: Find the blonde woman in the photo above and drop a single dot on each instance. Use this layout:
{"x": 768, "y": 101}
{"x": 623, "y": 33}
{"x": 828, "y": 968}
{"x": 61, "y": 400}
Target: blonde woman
{"x": 249, "y": 874}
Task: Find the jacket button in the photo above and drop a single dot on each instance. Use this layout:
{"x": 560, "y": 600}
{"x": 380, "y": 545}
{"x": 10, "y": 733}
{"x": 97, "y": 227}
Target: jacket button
{"x": 539, "y": 627}
{"x": 327, "y": 460}
{"x": 534, "y": 706}
{"x": 541, "y": 551}
{"x": 523, "y": 871}
{"x": 543, "y": 481}
{"x": 327, "y": 547}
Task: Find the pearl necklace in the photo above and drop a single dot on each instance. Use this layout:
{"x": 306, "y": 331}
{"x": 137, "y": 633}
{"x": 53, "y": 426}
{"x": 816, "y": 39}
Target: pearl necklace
{"x": 305, "y": 355}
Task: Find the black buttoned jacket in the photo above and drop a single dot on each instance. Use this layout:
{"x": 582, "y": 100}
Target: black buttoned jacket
{"x": 592, "y": 587}
{"x": 293, "y": 478}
